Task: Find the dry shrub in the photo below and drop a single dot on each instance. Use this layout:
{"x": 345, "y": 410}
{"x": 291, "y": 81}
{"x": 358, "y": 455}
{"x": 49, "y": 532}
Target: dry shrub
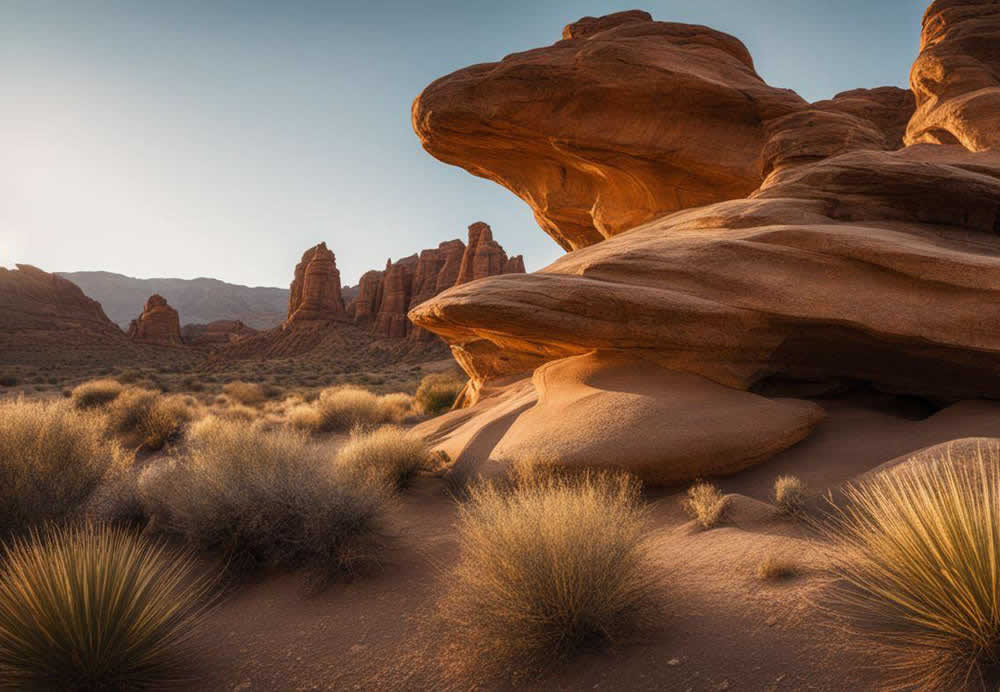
{"x": 773, "y": 568}
{"x": 96, "y": 393}
{"x": 246, "y": 393}
{"x": 265, "y": 498}
{"x": 143, "y": 418}
{"x": 789, "y": 494}
{"x": 387, "y": 455}
{"x": 706, "y": 504}
{"x": 239, "y": 412}
{"x": 916, "y": 556}
{"x": 97, "y": 608}
{"x": 394, "y": 408}
{"x": 437, "y": 393}
{"x": 548, "y": 569}
{"x": 52, "y": 458}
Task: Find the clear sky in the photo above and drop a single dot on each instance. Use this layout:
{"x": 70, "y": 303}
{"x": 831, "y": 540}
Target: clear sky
{"x": 191, "y": 138}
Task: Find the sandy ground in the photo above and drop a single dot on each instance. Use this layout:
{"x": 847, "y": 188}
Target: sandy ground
{"x": 723, "y": 628}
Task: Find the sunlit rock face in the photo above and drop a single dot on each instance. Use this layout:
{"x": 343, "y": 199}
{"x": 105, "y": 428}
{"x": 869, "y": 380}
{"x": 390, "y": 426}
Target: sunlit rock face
{"x": 314, "y": 295}
{"x": 158, "y": 324}
{"x": 621, "y": 121}
{"x": 956, "y": 78}
{"x": 852, "y": 258}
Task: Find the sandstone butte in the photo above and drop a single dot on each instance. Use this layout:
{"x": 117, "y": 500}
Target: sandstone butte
{"x": 314, "y": 296}
{"x": 385, "y": 297}
{"x": 158, "y": 324}
{"x": 725, "y": 237}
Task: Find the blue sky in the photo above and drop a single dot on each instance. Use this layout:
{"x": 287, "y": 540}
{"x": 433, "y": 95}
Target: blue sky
{"x": 187, "y": 138}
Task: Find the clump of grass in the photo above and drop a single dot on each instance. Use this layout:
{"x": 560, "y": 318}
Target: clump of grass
{"x": 773, "y": 568}
{"x": 549, "y": 569}
{"x": 387, "y": 455}
{"x": 143, "y": 418}
{"x": 437, "y": 393}
{"x": 97, "y": 608}
{"x": 52, "y": 458}
{"x": 789, "y": 494}
{"x": 96, "y": 393}
{"x": 246, "y": 393}
{"x": 266, "y": 498}
{"x": 394, "y": 408}
{"x": 916, "y": 556}
{"x": 706, "y": 504}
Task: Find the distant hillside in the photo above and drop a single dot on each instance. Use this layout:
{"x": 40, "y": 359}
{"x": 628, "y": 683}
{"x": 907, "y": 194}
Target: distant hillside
{"x": 198, "y": 301}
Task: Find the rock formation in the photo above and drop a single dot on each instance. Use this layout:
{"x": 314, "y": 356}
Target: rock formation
{"x": 314, "y": 295}
{"x": 158, "y": 324}
{"x": 385, "y": 297}
{"x": 833, "y": 252}
{"x": 578, "y": 130}
{"x": 215, "y": 334}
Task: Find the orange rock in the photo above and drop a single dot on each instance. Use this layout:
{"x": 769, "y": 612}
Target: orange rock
{"x": 314, "y": 295}
{"x": 956, "y": 77}
{"x": 365, "y": 306}
{"x": 214, "y": 334}
{"x": 32, "y": 299}
{"x": 391, "y": 321}
{"x": 623, "y": 120}
{"x": 483, "y": 257}
{"x": 158, "y": 324}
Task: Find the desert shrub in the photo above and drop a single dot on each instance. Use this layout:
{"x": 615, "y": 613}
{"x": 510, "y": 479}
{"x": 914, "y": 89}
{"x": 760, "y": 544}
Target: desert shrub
{"x": 706, "y": 504}
{"x": 143, "y": 418}
{"x": 548, "y": 569}
{"x": 387, "y": 455}
{"x": 394, "y": 408}
{"x": 97, "y": 608}
{"x": 239, "y": 412}
{"x": 265, "y": 498}
{"x": 789, "y": 494}
{"x": 96, "y": 393}
{"x": 193, "y": 384}
{"x": 916, "y": 556}
{"x": 773, "y": 568}
{"x": 8, "y": 381}
{"x": 437, "y": 393}
{"x": 339, "y": 409}
{"x": 246, "y": 393}
{"x": 130, "y": 376}
{"x": 52, "y": 458}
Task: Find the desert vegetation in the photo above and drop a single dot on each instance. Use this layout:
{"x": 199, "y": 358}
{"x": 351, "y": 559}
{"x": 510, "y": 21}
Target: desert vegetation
{"x": 789, "y": 494}
{"x": 266, "y": 499}
{"x": 916, "y": 553}
{"x": 548, "y": 569}
{"x": 388, "y": 455}
{"x": 706, "y": 504}
{"x": 437, "y": 392}
{"x": 96, "y": 393}
{"x": 52, "y": 459}
{"x": 97, "y": 608}
{"x": 144, "y": 418}
{"x": 776, "y": 568}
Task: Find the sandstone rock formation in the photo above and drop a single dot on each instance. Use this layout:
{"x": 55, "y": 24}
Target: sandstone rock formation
{"x": 956, "y": 77}
{"x": 158, "y": 324}
{"x": 578, "y": 130}
{"x": 855, "y": 259}
{"x": 385, "y": 297}
{"x": 314, "y": 295}
{"x": 215, "y": 334}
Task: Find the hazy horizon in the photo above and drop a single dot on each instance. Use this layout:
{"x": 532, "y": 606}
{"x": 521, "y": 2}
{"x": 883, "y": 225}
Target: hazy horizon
{"x": 187, "y": 139}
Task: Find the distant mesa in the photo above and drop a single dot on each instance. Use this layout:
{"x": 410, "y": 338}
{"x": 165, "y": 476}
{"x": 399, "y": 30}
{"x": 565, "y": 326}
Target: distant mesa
{"x": 158, "y": 324}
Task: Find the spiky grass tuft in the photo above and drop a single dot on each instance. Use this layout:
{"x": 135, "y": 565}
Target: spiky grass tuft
{"x": 97, "y": 608}
{"x": 916, "y": 556}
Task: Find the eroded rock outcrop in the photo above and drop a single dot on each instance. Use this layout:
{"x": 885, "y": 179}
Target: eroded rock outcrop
{"x": 956, "y": 77}
{"x": 577, "y": 129}
{"x": 855, "y": 259}
{"x": 385, "y": 297}
{"x": 158, "y": 324}
{"x": 314, "y": 295}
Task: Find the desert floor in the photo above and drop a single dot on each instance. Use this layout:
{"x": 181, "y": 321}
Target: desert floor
{"x": 723, "y": 628}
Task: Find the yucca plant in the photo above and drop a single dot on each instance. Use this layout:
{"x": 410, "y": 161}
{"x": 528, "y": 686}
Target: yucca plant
{"x": 97, "y": 608}
{"x": 916, "y": 556}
